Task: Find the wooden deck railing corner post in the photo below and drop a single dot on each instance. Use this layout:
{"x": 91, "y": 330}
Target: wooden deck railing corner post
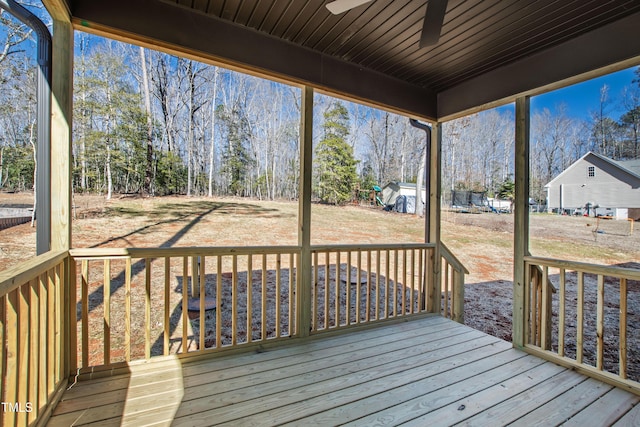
{"x": 458, "y": 307}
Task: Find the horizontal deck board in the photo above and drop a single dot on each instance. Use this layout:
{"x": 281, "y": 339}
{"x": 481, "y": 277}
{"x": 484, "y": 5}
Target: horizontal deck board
{"x": 427, "y": 371}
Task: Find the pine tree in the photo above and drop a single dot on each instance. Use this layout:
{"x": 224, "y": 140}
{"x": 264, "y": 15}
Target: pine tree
{"x": 237, "y": 159}
{"x": 336, "y": 174}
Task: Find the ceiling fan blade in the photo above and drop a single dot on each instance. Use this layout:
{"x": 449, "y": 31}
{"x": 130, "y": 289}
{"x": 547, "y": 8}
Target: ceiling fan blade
{"x": 340, "y": 6}
{"x": 432, "y": 24}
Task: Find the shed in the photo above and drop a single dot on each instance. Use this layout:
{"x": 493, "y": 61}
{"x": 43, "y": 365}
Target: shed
{"x": 392, "y": 190}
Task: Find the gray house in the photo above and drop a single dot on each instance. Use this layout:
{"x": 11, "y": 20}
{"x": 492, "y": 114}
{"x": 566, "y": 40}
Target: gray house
{"x": 597, "y": 185}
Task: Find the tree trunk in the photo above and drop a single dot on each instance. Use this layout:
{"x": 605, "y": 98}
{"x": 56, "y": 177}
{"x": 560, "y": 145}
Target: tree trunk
{"x": 148, "y": 175}
{"x": 213, "y": 130}
{"x": 35, "y": 174}
{"x": 190, "y": 132}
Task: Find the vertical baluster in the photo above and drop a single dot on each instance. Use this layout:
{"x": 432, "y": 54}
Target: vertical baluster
{"x": 33, "y": 346}
{"x": 52, "y": 318}
{"x": 185, "y": 303}
{"x": 43, "y": 317}
{"x": 535, "y": 303}
{"x": 622, "y": 351}
{"x": 106, "y": 302}
{"x": 580, "y": 320}
{"x": 147, "y": 308}
{"x": 3, "y": 326}
{"x": 420, "y": 279}
{"x": 387, "y": 283}
{"x": 9, "y": 390}
{"x": 85, "y": 313}
{"x": 395, "y": 282}
{"x": 545, "y": 336}
{"x": 127, "y": 315}
{"x": 292, "y": 274}
{"x": 529, "y": 316}
{"x": 315, "y": 315}
{"x": 404, "y": 282}
{"x": 337, "y": 289}
{"x": 413, "y": 280}
{"x": 358, "y": 285}
{"x": 347, "y": 288}
{"x": 377, "y": 286}
{"x": 167, "y": 305}
{"x": 194, "y": 277}
{"x": 429, "y": 278}
{"x": 234, "y": 300}
{"x": 218, "y": 301}
{"x": 327, "y": 271}
{"x": 249, "y": 283}
{"x": 72, "y": 297}
{"x": 368, "y": 289}
{"x": 278, "y": 293}
{"x": 600, "y": 323}
{"x": 264, "y": 296}
{"x": 203, "y": 299}
{"x": 562, "y": 305}
{"x": 24, "y": 329}
{"x": 445, "y": 284}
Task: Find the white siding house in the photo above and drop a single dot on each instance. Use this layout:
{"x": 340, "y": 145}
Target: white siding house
{"x": 595, "y": 181}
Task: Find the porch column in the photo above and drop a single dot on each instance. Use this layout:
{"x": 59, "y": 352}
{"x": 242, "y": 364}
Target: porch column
{"x": 521, "y": 221}
{"x": 432, "y": 224}
{"x": 61, "y": 124}
{"x": 303, "y": 301}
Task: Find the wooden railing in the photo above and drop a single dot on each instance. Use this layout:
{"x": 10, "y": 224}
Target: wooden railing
{"x": 32, "y": 331}
{"x": 137, "y": 303}
{"x": 586, "y": 322}
{"x": 355, "y": 284}
{"x": 133, "y": 304}
{"x": 94, "y": 311}
{"x": 452, "y": 275}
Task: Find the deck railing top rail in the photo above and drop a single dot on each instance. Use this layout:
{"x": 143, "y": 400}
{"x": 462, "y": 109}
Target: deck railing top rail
{"x": 95, "y": 253}
{"x": 452, "y": 259}
{"x": 13, "y": 277}
{"x": 607, "y": 270}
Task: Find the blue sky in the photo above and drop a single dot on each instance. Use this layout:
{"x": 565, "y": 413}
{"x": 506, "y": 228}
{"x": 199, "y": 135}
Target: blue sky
{"x": 583, "y": 98}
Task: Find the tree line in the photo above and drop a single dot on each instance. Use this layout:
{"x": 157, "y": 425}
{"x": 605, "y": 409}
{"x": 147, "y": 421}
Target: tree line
{"x": 478, "y": 150}
{"x": 151, "y": 123}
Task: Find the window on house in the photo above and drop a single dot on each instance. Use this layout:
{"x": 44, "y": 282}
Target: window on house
{"x": 591, "y": 171}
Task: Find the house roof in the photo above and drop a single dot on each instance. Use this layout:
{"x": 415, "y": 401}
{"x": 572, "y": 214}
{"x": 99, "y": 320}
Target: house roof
{"x": 628, "y": 167}
{"x": 632, "y": 166}
{"x": 488, "y": 53}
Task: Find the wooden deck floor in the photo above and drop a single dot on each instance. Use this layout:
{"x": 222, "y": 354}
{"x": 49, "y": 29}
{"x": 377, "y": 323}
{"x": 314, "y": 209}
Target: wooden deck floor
{"x": 428, "y": 371}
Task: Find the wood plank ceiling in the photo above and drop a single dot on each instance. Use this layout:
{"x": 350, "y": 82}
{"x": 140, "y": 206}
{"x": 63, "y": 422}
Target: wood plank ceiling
{"x": 375, "y": 47}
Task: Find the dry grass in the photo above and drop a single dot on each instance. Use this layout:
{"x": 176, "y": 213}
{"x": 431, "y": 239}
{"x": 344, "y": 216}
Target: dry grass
{"x": 483, "y": 243}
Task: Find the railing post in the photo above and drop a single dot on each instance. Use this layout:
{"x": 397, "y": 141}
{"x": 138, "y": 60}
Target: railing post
{"x": 521, "y": 220}
{"x": 433, "y": 221}
{"x": 458, "y": 296}
{"x": 303, "y": 303}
